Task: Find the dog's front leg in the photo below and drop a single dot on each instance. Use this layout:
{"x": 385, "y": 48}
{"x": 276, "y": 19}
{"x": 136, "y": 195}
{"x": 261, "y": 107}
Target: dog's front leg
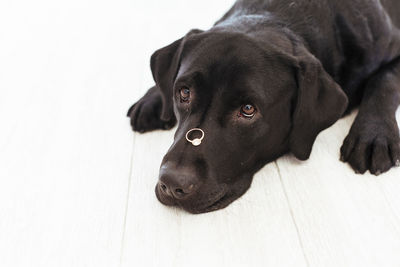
{"x": 146, "y": 113}
{"x": 373, "y": 142}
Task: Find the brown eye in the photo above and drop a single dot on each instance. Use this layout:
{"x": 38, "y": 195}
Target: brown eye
{"x": 185, "y": 94}
{"x": 248, "y": 111}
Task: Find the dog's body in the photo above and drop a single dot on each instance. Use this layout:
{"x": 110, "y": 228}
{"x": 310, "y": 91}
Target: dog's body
{"x": 266, "y": 79}
{"x": 352, "y": 39}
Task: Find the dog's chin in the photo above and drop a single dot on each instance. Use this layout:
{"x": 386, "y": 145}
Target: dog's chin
{"x": 200, "y": 204}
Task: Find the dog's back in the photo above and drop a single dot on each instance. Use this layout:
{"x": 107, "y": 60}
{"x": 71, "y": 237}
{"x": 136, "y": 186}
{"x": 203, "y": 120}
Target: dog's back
{"x": 392, "y": 7}
{"x": 351, "y": 38}
{"x": 313, "y": 7}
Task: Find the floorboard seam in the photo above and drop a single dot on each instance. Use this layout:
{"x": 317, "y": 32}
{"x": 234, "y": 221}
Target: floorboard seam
{"x": 127, "y": 203}
{"x": 389, "y": 204}
{"x": 292, "y": 215}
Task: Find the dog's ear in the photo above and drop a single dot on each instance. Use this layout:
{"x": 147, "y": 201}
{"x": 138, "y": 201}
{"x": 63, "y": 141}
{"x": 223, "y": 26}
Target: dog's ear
{"x": 164, "y": 66}
{"x": 320, "y": 103}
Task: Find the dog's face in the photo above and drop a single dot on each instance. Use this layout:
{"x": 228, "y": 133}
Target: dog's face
{"x": 253, "y": 101}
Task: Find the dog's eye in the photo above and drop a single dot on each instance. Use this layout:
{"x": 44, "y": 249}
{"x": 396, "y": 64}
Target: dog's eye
{"x": 185, "y": 94}
{"x": 248, "y": 111}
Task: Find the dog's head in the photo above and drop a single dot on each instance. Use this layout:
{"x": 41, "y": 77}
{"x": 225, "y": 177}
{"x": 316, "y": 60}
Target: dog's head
{"x": 255, "y": 100}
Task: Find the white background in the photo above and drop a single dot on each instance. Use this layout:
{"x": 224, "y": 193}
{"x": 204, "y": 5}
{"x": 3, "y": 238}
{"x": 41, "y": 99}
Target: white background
{"x": 77, "y": 186}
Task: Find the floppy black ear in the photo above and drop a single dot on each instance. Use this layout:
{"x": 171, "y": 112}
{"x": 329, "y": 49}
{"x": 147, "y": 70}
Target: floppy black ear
{"x": 320, "y": 103}
{"x": 164, "y": 66}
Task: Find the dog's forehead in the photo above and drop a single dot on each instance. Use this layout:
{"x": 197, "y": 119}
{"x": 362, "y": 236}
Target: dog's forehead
{"x": 218, "y": 58}
{"x": 211, "y": 50}
{"x": 227, "y": 55}
{"x": 228, "y": 64}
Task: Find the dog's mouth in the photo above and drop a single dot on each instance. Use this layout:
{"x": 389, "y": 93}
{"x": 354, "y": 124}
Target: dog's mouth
{"x": 219, "y": 200}
{"x": 211, "y": 204}
{"x": 220, "y": 203}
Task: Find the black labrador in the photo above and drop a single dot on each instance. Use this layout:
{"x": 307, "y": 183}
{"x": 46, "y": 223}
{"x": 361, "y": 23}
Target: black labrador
{"x": 264, "y": 81}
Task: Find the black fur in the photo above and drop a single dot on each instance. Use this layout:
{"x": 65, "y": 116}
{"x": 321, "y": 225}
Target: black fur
{"x": 302, "y": 64}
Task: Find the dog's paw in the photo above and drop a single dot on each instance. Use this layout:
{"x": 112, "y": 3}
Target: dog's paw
{"x": 373, "y": 146}
{"x": 145, "y": 114}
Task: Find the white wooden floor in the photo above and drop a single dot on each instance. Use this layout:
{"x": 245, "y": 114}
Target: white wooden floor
{"x": 77, "y": 186}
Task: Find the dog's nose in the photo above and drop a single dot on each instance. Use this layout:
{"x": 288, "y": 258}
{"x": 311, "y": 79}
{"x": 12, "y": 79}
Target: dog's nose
{"x": 177, "y": 183}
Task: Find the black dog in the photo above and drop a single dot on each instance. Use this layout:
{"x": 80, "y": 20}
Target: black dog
{"x": 265, "y": 81}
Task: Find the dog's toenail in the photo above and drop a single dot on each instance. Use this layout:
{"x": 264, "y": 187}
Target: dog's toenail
{"x": 398, "y": 163}
{"x": 378, "y": 172}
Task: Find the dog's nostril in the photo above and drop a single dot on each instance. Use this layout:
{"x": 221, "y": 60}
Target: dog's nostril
{"x": 163, "y": 187}
{"x": 177, "y": 183}
{"x": 179, "y": 192}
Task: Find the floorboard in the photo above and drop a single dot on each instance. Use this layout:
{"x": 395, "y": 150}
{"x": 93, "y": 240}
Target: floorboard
{"x": 256, "y": 229}
{"x": 65, "y": 143}
{"x": 344, "y": 219}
